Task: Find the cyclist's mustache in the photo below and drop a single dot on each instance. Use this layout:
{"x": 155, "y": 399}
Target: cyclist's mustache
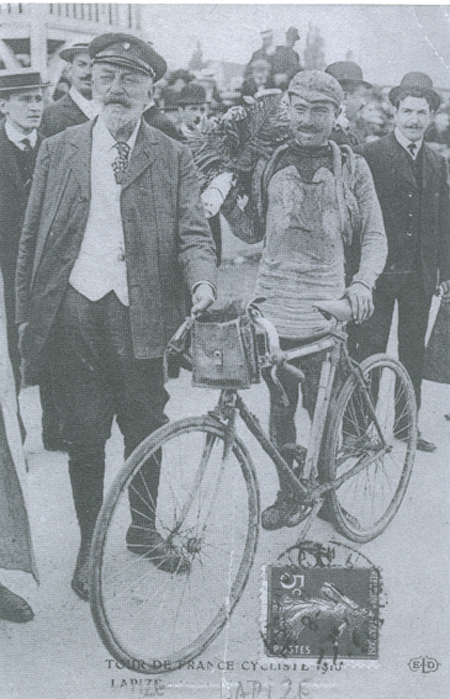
{"x": 308, "y": 129}
{"x": 117, "y": 100}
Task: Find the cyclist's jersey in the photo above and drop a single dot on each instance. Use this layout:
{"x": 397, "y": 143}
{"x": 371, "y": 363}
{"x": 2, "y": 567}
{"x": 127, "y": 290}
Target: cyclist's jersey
{"x": 303, "y": 260}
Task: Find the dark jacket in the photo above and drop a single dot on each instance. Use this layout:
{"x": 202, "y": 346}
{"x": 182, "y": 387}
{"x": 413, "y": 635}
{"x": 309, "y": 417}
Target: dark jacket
{"x": 154, "y": 117}
{"x": 60, "y": 115}
{"x": 13, "y": 202}
{"x": 409, "y": 209}
{"x": 167, "y": 238}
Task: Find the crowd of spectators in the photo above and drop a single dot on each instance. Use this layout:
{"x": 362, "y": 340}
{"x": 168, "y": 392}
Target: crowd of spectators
{"x": 187, "y": 95}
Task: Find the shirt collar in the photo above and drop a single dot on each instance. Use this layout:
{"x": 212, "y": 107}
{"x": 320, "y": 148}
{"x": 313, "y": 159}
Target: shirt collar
{"x": 105, "y": 140}
{"x": 88, "y": 107}
{"x": 405, "y": 142}
{"x": 17, "y": 137}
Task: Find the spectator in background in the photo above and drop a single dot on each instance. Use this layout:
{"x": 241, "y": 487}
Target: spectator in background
{"x": 266, "y": 51}
{"x": 286, "y": 61}
{"x": 176, "y": 81}
{"x": 411, "y": 184}
{"x": 76, "y": 106}
{"x": 438, "y": 132}
{"x": 156, "y": 118}
{"x": 192, "y": 106}
{"x": 259, "y": 78}
{"x": 22, "y": 103}
{"x": 350, "y": 77}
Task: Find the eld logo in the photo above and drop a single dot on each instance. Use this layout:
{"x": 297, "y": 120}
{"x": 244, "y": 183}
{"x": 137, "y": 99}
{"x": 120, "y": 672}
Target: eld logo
{"x": 424, "y": 665}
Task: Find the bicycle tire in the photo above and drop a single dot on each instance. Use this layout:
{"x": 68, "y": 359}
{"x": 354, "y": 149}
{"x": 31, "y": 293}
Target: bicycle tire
{"x": 174, "y": 624}
{"x": 351, "y": 435}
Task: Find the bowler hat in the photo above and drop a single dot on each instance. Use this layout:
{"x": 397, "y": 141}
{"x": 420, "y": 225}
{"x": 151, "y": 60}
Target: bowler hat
{"x": 26, "y": 79}
{"x": 346, "y": 72}
{"x": 127, "y": 51}
{"x": 293, "y": 31}
{"x": 69, "y": 53}
{"x": 420, "y": 82}
{"x": 192, "y": 93}
{"x": 316, "y": 86}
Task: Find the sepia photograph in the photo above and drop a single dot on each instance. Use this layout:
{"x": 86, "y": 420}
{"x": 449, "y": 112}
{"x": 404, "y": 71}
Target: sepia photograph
{"x": 224, "y": 351}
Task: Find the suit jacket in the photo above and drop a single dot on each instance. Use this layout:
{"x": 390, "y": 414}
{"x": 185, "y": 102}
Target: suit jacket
{"x": 60, "y": 115}
{"x": 410, "y": 210}
{"x": 167, "y": 238}
{"x": 13, "y": 202}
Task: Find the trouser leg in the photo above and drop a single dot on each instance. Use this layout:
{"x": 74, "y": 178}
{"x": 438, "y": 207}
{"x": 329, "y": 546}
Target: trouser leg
{"x": 140, "y": 412}
{"x": 139, "y": 402}
{"x": 413, "y": 313}
{"x": 371, "y": 337}
{"x": 85, "y": 400}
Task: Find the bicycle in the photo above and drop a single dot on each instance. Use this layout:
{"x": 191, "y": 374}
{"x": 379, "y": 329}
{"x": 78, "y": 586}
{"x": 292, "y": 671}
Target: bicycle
{"x": 357, "y": 468}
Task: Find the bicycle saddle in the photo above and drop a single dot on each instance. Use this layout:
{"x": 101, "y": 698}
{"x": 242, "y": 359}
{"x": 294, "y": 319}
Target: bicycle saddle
{"x": 339, "y": 309}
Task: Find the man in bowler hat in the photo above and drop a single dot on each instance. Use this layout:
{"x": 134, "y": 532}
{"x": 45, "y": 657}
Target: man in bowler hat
{"x": 350, "y": 77}
{"x": 411, "y": 183}
{"x": 114, "y": 233}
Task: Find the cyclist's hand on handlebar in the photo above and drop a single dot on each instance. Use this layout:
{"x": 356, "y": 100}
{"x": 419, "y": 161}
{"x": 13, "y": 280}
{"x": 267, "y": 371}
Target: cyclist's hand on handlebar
{"x": 202, "y": 297}
{"x": 361, "y": 301}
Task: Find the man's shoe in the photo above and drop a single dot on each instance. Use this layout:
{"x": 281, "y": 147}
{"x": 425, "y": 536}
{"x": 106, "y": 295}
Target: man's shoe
{"x": 421, "y": 444}
{"x": 424, "y": 445}
{"x": 14, "y": 608}
{"x": 80, "y": 580}
{"x": 285, "y": 512}
{"x": 151, "y": 545}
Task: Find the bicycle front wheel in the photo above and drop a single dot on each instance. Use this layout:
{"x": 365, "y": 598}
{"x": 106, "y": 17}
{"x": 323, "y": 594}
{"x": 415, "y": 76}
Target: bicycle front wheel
{"x": 369, "y": 448}
{"x": 153, "y": 619}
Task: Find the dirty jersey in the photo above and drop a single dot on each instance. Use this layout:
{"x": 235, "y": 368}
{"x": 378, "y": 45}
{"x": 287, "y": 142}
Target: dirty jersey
{"x": 303, "y": 259}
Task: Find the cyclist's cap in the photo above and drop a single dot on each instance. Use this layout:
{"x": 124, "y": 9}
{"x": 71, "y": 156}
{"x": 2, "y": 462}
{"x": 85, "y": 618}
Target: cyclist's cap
{"x": 127, "y": 51}
{"x": 316, "y": 86}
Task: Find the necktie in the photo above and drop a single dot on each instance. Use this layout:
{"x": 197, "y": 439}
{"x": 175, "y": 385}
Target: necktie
{"x": 412, "y": 147}
{"x": 26, "y": 145}
{"x": 120, "y": 164}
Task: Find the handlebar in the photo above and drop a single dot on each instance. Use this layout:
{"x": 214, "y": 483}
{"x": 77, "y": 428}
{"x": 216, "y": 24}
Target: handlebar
{"x": 275, "y": 358}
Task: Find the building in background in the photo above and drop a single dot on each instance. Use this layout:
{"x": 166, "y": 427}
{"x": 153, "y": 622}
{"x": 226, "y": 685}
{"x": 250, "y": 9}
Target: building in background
{"x": 31, "y": 34}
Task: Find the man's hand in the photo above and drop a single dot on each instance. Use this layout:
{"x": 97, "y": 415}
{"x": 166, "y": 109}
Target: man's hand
{"x": 202, "y": 298}
{"x": 445, "y": 290}
{"x": 361, "y": 301}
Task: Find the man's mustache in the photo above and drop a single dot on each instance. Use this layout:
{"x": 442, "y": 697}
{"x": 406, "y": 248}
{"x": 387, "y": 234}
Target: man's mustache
{"x": 117, "y": 100}
{"x": 308, "y": 129}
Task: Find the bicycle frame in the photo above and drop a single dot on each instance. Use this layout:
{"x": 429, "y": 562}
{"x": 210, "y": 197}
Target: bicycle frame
{"x": 306, "y": 486}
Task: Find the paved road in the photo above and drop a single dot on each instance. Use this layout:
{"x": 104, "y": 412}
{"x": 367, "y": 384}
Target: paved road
{"x": 59, "y": 654}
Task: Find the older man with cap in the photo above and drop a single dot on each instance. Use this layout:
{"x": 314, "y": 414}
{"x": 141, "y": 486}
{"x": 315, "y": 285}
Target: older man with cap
{"x": 411, "y": 183}
{"x": 321, "y": 223}
{"x": 350, "y": 77}
{"x": 76, "y": 106}
{"x": 114, "y": 233}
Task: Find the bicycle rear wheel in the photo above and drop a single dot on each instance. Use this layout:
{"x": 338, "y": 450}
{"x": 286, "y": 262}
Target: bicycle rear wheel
{"x": 151, "y": 620}
{"x": 370, "y": 477}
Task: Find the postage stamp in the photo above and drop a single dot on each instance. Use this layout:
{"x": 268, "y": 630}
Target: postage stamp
{"x": 159, "y": 537}
{"x": 330, "y": 612}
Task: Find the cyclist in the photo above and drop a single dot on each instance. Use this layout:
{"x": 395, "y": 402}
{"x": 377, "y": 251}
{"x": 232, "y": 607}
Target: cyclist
{"x": 317, "y": 209}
